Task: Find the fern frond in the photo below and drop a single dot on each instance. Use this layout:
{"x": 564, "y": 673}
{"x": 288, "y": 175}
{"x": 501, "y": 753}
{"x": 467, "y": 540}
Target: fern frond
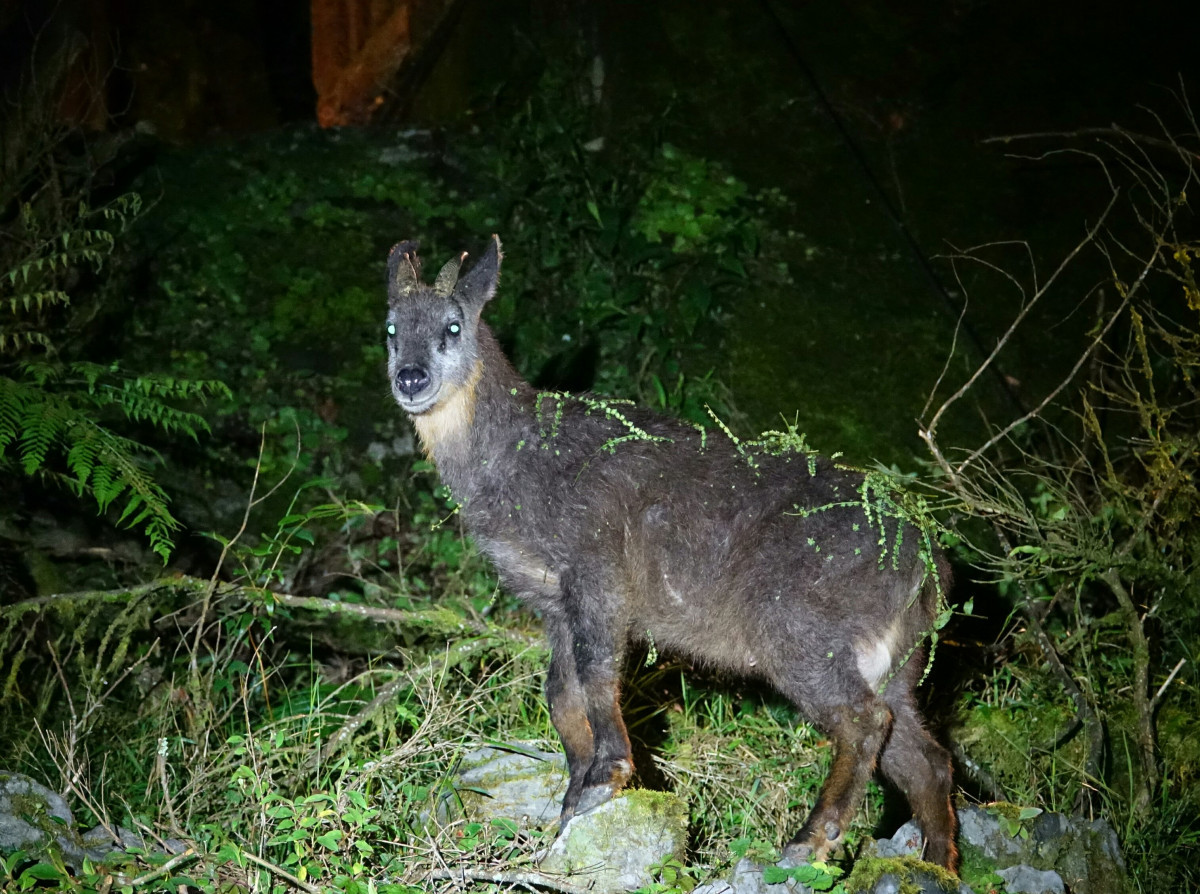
{"x": 41, "y": 424}
{"x": 54, "y": 417}
{"x": 14, "y": 341}
{"x": 11, "y": 405}
{"x": 53, "y": 411}
{"x": 30, "y": 302}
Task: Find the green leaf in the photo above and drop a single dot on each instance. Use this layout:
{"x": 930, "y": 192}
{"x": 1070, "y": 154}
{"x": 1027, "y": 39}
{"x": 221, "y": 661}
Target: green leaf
{"x": 331, "y": 838}
{"x": 43, "y": 872}
{"x": 505, "y": 828}
{"x": 774, "y": 875}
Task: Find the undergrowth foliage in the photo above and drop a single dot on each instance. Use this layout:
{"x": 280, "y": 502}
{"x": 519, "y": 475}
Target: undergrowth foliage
{"x": 1086, "y": 511}
{"x": 56, "y": 416}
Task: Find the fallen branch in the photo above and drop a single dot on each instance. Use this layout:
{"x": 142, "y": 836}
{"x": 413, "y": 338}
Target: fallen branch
{"x": 199, "y": 587}
{"x": 281, "y": 872}
{"x": 525, "y": 879}
{"x": 182, "y": 582}
{"x": 160, "y": 871}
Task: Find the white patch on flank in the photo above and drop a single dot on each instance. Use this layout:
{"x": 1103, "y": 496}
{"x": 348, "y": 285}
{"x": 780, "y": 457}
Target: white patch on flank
{"x": 671, "y": 591}
{"x": 874, "y": 657}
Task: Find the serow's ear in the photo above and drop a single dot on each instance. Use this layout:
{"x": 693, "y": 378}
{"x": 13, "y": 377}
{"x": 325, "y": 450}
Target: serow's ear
{"x": 404, "y": 268}
{"x": 478, "y": 286}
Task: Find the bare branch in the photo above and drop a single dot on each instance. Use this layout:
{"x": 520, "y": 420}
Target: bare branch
{"x": 281, "y": 873}
{"x": 1113, "y": 130}
{"x": 530, "y": 880}
{"x": 928, "y": 433}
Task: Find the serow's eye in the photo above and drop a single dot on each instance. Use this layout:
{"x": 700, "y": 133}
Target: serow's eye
{"x": 454, "y": 329}
{"x": 391, "y": 328}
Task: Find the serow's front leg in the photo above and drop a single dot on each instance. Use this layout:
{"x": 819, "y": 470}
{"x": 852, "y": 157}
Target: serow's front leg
{"x": 568, "y": 713}
{"x": 612, "y": 764}
{"x": 583, "y": 691}
{"x": 858, "y": 730}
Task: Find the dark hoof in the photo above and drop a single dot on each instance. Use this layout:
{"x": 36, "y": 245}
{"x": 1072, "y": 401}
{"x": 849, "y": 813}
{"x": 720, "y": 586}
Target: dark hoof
{"x": 796, "y": 854}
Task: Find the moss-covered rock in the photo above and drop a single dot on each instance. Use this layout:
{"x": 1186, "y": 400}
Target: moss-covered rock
{"x": 32, "y": 817}
{"x": 1084, "y": 853}
{"x": 522, "y": 783}
{"x": 612, "y": 848}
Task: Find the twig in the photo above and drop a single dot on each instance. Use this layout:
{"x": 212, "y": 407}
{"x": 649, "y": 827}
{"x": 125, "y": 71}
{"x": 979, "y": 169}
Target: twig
{"x": 525, "y": 879}
{"x": 1163, "y": 688}
{"x": 170, "y": 865}
{"x": 212, "y": 582}
{"x": 281, "y": 872}
{"x": 1112, "y": 130}
{"x": 250, "y": 504}
{"x": 928, "y": 432}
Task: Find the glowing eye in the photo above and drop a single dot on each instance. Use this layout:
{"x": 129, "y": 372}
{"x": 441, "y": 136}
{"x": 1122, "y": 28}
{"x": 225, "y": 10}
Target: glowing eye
{"x": 454, "y": 328}
{"x": 391, "y": 330}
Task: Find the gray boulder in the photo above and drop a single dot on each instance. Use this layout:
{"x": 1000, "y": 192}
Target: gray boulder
{"x": 1022, "y": 879}
{"x": 746, "y": 877}
{"x": 613, "y": 847}
{"x": 38, "y": 821}
{"x": 32, "y": 818}
{"x": 524, "y": 784}
{"x": 1084, "y": 854}
{"x": 609, "y": 849}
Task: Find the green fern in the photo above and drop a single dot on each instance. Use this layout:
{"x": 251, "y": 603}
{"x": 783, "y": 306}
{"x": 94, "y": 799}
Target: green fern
{"x": 48, "y": 252}
{"x": 55, "y": 415}
{"x": 50, "y": 427}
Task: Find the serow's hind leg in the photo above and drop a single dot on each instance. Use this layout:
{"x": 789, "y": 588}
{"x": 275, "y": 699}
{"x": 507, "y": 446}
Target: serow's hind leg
{"x": 920, "y": 767}
{"x": 858, "y": 730}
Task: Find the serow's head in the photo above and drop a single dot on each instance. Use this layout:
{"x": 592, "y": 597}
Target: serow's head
{"x": 433, "y": 331}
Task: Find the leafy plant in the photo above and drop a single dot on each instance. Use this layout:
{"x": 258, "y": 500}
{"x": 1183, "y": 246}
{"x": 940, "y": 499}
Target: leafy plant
{"x": 1089, "y": 503}
{"x": 55, "y": 414}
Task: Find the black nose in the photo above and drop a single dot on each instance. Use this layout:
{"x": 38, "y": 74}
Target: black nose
{"x": 412, "y": 379}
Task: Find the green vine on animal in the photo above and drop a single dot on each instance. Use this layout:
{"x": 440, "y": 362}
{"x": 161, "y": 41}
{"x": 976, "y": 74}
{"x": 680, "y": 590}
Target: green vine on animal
{"x": 883, "y": 496}
{"x": 609, "y": 407}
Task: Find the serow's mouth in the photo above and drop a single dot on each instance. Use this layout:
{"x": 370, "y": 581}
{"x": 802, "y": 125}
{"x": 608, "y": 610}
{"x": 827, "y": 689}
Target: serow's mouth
{"x": 418, "y": 403}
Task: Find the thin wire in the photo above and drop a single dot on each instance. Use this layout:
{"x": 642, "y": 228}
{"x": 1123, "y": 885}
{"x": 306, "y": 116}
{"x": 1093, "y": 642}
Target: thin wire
{"x": 914, "y": 248}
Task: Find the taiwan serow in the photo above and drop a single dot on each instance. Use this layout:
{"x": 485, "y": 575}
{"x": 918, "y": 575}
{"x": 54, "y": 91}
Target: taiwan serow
{"x": 617, "y": 524}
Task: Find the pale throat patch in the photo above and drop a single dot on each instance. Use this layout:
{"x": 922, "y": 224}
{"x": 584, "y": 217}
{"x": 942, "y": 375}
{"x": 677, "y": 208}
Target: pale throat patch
{"x": 445, "y": 427}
